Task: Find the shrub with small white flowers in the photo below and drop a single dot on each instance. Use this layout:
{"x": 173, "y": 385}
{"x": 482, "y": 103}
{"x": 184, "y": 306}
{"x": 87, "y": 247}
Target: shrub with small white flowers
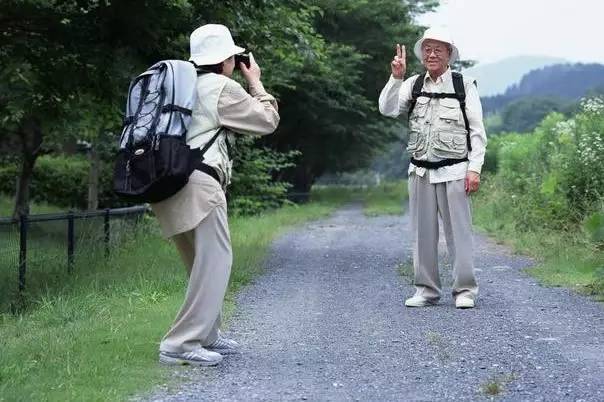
{"x": 554, "y": 176}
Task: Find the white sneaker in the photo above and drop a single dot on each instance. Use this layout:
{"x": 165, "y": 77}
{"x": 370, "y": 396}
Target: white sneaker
{"x": 464, "y": 301}
{"x": 420, "y": 301}
{"x": 198, "y": 357}
{"x": 224, "y": 346}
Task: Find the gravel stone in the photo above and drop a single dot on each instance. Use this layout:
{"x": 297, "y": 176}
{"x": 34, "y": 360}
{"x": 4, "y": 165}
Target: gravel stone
{"x": 326, "y": 322}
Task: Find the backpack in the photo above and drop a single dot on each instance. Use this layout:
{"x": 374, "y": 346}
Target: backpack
{"x": 154, "y": 161}
{"x": 460, "y": 95}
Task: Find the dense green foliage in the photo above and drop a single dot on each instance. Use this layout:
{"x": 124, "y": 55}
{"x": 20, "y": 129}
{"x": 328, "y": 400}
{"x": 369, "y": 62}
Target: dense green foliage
{"x": 331, "y": 115}
{"x": 556, "y": 172}
{"x": 525, "y": 114}
{"x": 253, "y": 188}
{"x": 65, "y": 68}
{"x": 547, "y": 195}
{"x": 58, "y": 180}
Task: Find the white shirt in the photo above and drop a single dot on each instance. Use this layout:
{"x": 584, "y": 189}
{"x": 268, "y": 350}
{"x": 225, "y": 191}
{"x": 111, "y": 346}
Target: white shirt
{"x": 394, "y": 101}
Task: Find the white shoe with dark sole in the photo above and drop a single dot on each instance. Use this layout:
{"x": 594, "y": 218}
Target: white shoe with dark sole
{"x": 420, "y": 301}
{"x": 198, "y": 357}
{"x": 464, "y": 302}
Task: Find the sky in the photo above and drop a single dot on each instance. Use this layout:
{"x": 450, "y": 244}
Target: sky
{"x": 491, "y": 30}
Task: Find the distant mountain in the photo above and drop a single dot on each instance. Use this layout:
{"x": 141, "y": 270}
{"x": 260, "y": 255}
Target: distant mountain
{"x": 494, "y": 78}
{"x": 563, "y": 81}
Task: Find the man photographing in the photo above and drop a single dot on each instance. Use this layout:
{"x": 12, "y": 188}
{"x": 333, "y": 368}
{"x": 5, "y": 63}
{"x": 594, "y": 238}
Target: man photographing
{"x": 195, "y": 218}
{"x": 447, "y": 144}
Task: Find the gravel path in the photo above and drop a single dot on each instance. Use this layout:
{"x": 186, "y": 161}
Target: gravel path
{"x": 327, "y": 322}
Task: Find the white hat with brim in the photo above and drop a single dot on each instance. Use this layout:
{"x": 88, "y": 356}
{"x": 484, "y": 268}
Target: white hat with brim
{"x": 441, "y": 35}
{"x": 212, "y": 44}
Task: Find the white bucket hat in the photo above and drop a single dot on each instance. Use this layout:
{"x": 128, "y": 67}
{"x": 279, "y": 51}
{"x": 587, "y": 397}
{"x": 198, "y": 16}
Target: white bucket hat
{"x": 212, "y": 44}
{"x": 439, "y": 34}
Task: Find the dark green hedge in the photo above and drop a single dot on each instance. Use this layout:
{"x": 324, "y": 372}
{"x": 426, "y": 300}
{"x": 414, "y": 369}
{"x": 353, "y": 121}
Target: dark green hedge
{"x": 60, "y": 180}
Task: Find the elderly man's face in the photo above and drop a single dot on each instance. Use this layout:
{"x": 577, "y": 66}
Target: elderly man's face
{"x": 435, "y": 56}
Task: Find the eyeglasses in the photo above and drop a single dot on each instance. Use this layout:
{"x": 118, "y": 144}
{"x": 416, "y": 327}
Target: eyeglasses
{"x": 438, "y": 51}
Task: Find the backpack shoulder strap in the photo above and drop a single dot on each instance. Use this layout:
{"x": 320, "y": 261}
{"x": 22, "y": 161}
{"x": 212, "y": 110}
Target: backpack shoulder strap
{"x": 458, "y": 86}
{"x": 417, "y": 89}
{"x": 460, "y": 94}
{"x": 210, "y": 142}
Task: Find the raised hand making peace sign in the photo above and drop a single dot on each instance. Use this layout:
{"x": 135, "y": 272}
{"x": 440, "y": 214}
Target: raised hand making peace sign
{"x": 399, "y": 63}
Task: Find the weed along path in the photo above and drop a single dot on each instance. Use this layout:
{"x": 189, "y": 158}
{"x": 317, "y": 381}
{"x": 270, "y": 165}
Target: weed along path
{"x": 326, "y": 322}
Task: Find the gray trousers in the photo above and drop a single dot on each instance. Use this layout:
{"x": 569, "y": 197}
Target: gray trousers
{"x": 449, "y": 201}
{"x": 206, "y": 253}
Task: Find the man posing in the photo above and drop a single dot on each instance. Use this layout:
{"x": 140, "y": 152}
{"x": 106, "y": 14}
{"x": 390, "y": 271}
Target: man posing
{"x": 447, "y": 144}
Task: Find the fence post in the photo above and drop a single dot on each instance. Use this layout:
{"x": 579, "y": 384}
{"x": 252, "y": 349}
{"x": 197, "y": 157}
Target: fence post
{"x": 22, "y": 251}
{"x": 107, "y": 229}
{"x": 70, "y": 241}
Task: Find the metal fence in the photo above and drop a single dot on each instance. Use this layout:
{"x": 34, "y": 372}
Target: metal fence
{"x": 47, "y": 242}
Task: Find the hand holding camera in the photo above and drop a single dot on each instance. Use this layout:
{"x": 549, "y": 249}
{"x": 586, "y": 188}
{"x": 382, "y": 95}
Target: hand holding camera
{"x": 250, "y": 70}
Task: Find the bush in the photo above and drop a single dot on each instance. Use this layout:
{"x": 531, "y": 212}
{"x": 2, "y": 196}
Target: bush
{"x": 584, "y": 166}
{"x": 255, "y": 184}
{"x": 61, "y": 180}
{"x": 554, "y": 176}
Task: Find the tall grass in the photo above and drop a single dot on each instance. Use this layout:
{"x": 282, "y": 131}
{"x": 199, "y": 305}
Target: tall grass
{"x": 546, "y": 197}
{"x": 564, "y": 257}
{"x": 385, "y": 199}
{"x": 96, "y": 336}
{"x": 7, "y": 205}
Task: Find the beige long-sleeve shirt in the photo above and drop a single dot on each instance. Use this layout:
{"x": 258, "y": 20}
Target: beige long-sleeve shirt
{"x": 224, "y": 104}
{"x": 394, "y": 101}
{"x": 244, "y": 114}
{"x": 249, "y": 114}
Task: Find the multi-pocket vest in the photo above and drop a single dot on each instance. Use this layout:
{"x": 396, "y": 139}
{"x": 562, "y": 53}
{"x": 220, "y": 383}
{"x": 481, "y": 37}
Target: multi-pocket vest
{"x": 438, "y": 125}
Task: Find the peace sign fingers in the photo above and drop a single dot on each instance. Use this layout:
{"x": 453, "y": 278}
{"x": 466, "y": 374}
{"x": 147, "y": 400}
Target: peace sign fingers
{"x": 400, "y": 51}
{"x": 399, "y": 64}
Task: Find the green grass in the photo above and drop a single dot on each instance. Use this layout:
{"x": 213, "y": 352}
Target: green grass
{"x": 95, "y": 337}
{"x": 495, "y": 386}
{"x": 385, "y": 199}
{"x": 564, "y": 258}
{"x": 46, "y": 269}
{"x": 405, "y": 270}
{"x": 7, "y": 205}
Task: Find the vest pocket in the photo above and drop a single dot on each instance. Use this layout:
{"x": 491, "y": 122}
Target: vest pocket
{"x": 450, "y": 145}
{"x": 421, "y": 106}
{"x": 449, "y": 113}
{"x": 451, "y": 139}
{"x": 417, "y": 122}
{"x": 417, "y": 141}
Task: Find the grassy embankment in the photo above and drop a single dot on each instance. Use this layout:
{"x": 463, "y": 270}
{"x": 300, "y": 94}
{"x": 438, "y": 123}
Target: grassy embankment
{"x": 564, "y": 258}
{"x": 94, "y": 335}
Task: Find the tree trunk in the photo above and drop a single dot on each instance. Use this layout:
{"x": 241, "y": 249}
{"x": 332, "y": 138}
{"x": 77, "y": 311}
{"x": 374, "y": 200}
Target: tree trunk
{"x": 303, "y": 180}
{"x": 30, "y": 135}
{"x": 93, "y": 180}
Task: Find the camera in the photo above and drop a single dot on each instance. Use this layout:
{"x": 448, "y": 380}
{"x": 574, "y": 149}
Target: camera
{"x": 242, "y": 58}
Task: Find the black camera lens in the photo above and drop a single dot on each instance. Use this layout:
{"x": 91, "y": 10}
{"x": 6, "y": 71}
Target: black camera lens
{"x": 242, "y": 58}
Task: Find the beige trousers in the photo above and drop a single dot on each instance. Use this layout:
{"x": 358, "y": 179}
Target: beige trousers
{"x": 207, "y": 255}
{"x": 449, "y": 201}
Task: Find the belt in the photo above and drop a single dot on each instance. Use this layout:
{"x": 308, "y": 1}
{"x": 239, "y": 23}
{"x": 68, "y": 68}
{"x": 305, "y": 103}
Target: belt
{"x": 439, "y": 164}
{"x": 209, "y": 170}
